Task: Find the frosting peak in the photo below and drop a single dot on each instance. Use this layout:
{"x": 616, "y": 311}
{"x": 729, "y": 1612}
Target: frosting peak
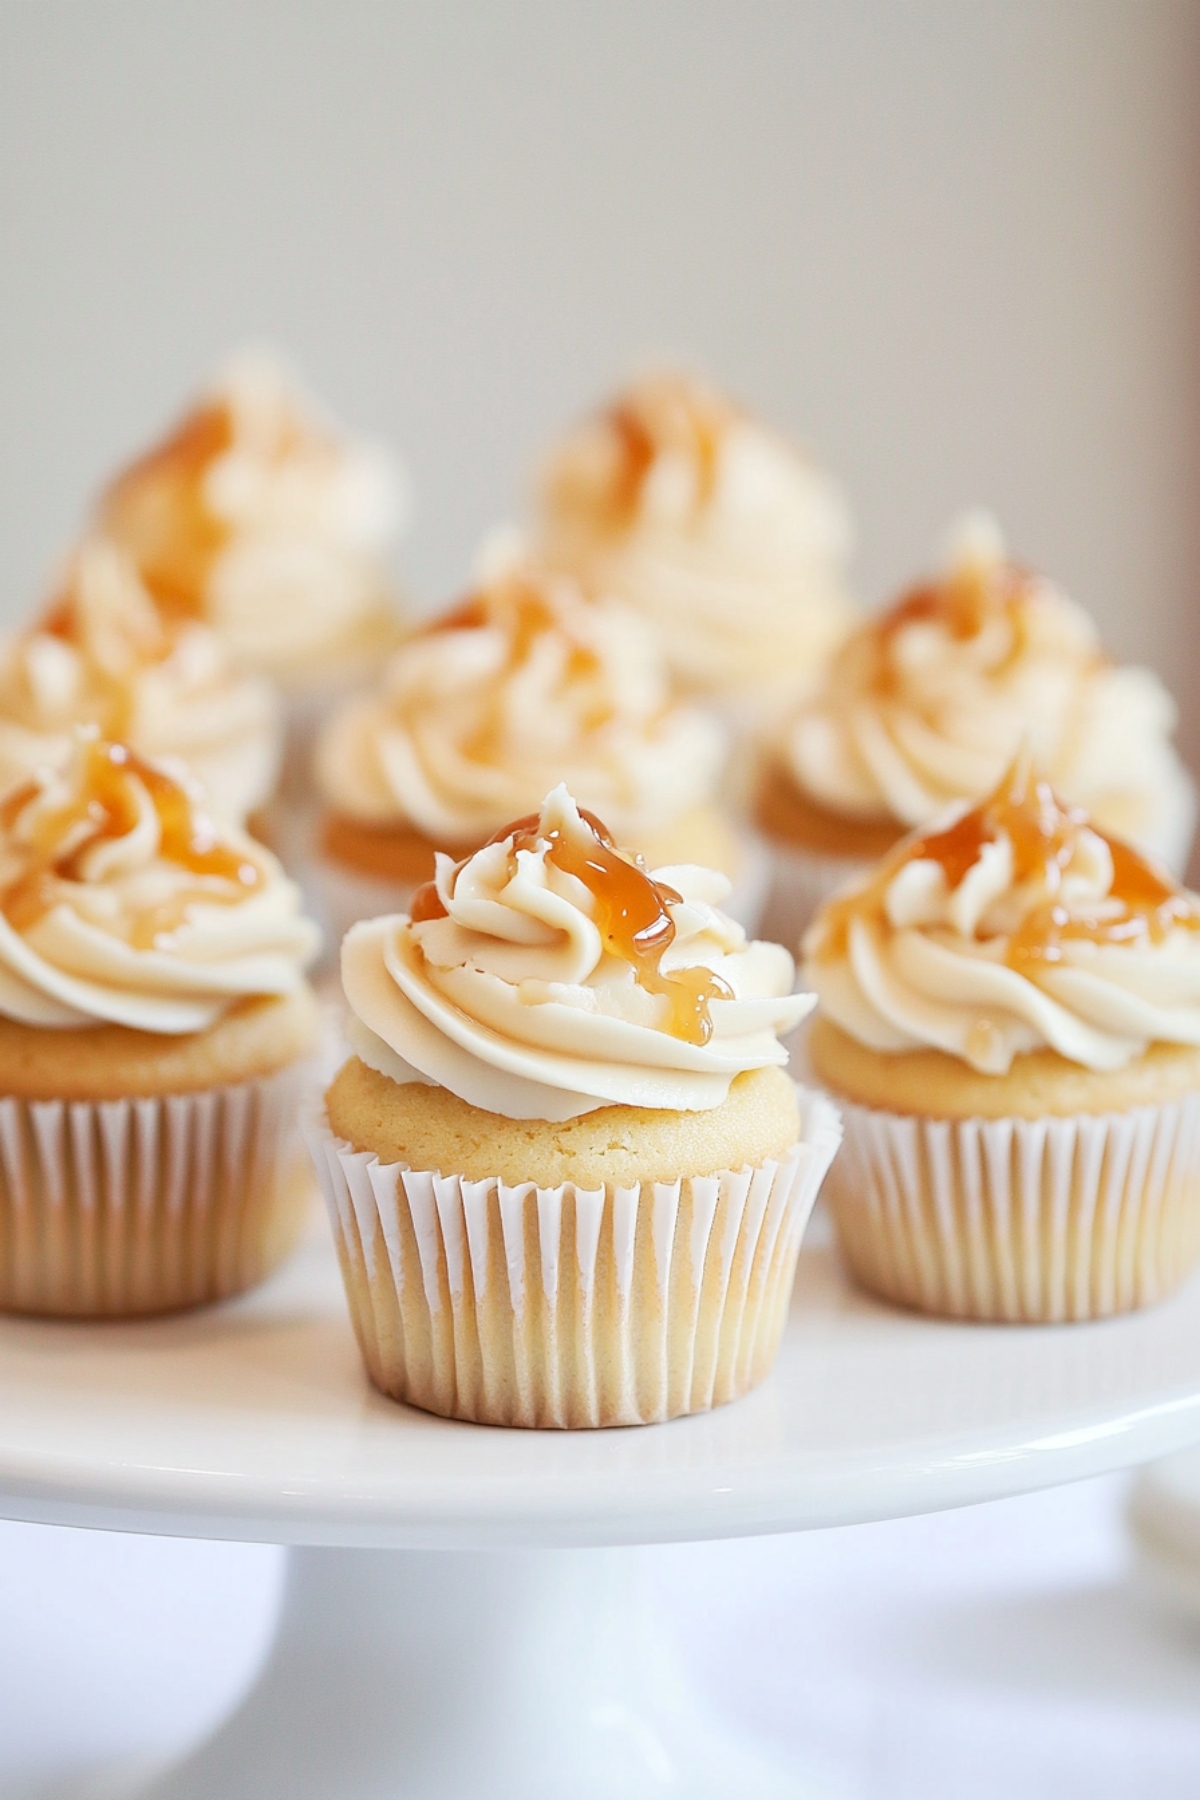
{"x": 525, "y": 683}
{"x": 726, "y": 536}
{"x": 550, "y": 974}
{"x": 105, "y": 655}
{"x": 1012, "y": 926}
{"x": 122, "y": 901}
{"x": 255, "y": 515}
{"x": 929, "y": 702}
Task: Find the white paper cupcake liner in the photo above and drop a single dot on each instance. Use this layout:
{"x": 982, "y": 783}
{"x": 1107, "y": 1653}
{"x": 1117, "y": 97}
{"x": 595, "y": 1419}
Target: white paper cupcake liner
{"x": 565, "y": 1306}
{"x": 114, "y": 1208}
{"x": 1021, "y": 1220}
{"x": 800, "y": 882}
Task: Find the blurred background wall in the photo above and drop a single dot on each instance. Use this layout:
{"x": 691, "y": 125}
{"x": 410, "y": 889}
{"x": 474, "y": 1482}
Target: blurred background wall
{"x": 955, "y": 247}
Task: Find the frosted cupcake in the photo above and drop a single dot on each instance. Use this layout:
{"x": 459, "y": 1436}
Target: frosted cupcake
{"x": 255, "y": 515}
{"x": 729, "y": 540}
{"x": 154, "y": 1025}
{"x": 566, "y": 1171}
{"x": 929, "y": 703}
{"x": 104, "y": 655}
{"x": 1010, "y": 1014}
{"x": 479, "y": 714}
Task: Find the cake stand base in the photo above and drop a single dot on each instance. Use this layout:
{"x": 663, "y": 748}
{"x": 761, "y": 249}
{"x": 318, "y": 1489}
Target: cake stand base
{"x": 471, "y": 1675}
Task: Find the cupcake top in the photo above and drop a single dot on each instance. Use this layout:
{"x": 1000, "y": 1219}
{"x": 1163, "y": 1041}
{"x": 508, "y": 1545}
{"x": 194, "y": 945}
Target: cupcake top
{"x": 525, "y": 684}
{"x": 104, "y": 655}
{"x": 929, "y": 703}
{"x": 550, "y": 974}
{"x": 1012, "y": 926}
{"x": 730, "y": 540}
{"x": 122, "y": 902}
{"x": 255, "y": 515}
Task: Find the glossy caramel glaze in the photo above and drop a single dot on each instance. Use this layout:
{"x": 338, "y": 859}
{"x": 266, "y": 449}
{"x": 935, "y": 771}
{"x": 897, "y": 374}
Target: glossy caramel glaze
{"x": 668, "y": 413}
{"x": 630, "y": 911}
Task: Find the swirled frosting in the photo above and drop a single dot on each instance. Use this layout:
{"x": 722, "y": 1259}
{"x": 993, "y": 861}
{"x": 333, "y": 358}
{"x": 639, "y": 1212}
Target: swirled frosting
{"x": 255, "y": 515}
{"x": 1012, "y": 926}
{"x": 720, "y": 531}
{"x": 930, "y": 702}
{"x": 122, "y": 902}
{"x": 524, "y": 685}
{"x": 104, "y": 655}
{"x": 548, "y": 975}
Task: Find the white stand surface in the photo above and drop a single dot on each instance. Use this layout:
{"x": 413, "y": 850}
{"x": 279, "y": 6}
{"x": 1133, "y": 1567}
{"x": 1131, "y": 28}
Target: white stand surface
{"x": 494, "y": 1668}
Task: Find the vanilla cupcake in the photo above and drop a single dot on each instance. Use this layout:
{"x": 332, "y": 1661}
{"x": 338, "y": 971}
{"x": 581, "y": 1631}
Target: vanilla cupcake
{"x": 731, "y": 542}
{"x": 930, "y": 702}
{"x": 154, "y": 1026}
{"x": 481, "y": 712}
{"x": 566, "y": 1171}
{"x": 1010, "y": 1016}
{"x": 104, "y": 655}
{"x": 256, "y": 516}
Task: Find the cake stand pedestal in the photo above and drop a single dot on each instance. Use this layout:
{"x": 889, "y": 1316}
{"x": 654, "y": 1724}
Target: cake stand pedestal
{"x": 464, "y": 1617}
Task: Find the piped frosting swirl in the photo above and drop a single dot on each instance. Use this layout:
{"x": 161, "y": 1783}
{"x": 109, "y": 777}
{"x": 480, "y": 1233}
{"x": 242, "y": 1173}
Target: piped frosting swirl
{"x": 550, "y": 974}
{"x": 929, "y": 703}
{"x": 105, "y": 655}
{"x": 122, "y": 901}
{"x": 525, "y": 684}
{"x": 731, "y": 542}
{"x": 1012, "y": 926}
{"x": 257, "y": 516}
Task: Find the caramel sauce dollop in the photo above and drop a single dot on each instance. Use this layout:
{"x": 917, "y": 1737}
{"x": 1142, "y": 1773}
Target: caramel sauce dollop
{"x": 631, "y": 912}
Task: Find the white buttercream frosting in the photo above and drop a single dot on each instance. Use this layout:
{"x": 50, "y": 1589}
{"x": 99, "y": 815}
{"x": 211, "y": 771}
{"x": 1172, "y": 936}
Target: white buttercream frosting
{"x": 724, "y": 534}
{"x": 1011, "y": 927}
{"x": 105, "y": 656}
{"x": 930, "y": 702}
{"x": 528, "y": 683}
{"x": 516, "y": 988}
{"x": 122, "y": 902}
{"x": 256, "y": 515}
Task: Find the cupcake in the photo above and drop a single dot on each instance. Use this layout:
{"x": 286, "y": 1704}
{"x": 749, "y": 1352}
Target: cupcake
{"x": 1010, "y": 1017}
{"x": 566, "y": 1171}
{"x": 154, "y": 1026}
{"x": 104, "y": 655}
{"x": 255, "y": 515}
{"x": 525, "y": 684}
{"x": 929, "y": 703}
{"x": 731, "y": 542}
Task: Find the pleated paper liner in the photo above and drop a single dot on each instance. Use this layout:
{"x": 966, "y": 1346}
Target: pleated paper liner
{"x": 111, "y": 1209}
{"x": 1021, "y": 1220}
{"x": 801, "y": 882}
{"x": 570, "y": 1307}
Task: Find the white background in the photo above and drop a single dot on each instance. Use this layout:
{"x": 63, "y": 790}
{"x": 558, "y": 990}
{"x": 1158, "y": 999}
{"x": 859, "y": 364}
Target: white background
{"x": 954, "y": 247}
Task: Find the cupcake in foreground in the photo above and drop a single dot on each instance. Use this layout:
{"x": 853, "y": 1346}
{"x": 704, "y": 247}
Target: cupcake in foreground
{"x": 478, "y": 715}
{"x": 104, "y": 655}
{"x": 567, "y": 1173}
{"x": 929, "y": 703}
{"x": 722, "y": 533}
{"x": 1010, "y": 1013}
{"x": 154, "y": 1024}
{"x": 257, "y": 517}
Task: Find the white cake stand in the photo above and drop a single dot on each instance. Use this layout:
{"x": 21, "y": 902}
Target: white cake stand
{"x": 461, "y": 1620}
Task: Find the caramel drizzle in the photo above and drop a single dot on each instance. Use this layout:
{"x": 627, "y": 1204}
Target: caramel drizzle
{"x": 630, "y": 912}
{"x": 113, "y": 690}
{"x": 1044, "y": 834}
{"x": 961, "y": 602}
{"x": 107, "y": 809}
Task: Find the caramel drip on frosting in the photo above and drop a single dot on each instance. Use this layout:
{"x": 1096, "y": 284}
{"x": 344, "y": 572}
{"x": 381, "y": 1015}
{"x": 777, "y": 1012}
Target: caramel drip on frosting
{"x": 631, "y": 912}
{"x": 1142, "y": 906}
{"x": 668, "y": 413}
{"x": 107, "y": 809}
{"x": 961, "y": 602}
